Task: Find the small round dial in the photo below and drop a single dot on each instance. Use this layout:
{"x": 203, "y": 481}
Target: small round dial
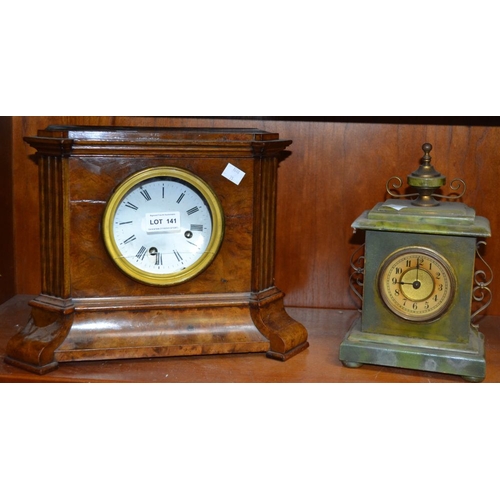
{"x": 163, "y": 226}
{"x": 416, "y": 284}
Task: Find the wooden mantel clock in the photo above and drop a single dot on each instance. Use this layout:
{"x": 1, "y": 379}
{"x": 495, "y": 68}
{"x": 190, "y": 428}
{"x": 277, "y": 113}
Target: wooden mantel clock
{"x": 156, "y": 242}
{"x": 419, "y": 281}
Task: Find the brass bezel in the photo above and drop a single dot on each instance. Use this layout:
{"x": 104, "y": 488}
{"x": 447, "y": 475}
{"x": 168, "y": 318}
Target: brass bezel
{"x": 189, "y": 272}
{"x": 429, "y": 253}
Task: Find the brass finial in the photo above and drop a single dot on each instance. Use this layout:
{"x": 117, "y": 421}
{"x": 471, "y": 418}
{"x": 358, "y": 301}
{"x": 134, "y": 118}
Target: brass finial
{"x": 425, "y": 168}
{"x": 426, "y": 180}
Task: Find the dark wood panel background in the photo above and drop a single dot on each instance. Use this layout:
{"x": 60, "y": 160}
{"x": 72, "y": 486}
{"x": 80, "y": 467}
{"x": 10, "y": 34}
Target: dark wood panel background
{"x": 7, "y": 267}
{"x": 337, "y": 169}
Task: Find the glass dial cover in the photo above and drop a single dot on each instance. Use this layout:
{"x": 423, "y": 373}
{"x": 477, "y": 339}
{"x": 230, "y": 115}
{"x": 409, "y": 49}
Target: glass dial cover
{"x": 417, "y": 284}
{"x": 163, "y": 226}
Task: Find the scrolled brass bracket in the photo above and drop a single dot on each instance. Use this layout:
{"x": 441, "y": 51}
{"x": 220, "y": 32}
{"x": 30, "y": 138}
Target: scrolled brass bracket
{"x": 356, "y": 278}
{"x": 482, "y": 280}
{"x": 397, "y": 183}
{"x": 455, "y": 185}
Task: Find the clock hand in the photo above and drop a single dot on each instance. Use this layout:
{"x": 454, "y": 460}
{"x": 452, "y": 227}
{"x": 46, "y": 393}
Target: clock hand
{"x": 416, "y": 284}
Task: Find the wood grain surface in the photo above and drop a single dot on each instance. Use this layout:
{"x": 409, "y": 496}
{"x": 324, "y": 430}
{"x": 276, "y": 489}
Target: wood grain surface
{"x": 337, "y": 169}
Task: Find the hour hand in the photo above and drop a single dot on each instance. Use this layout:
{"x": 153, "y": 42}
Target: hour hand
{"x": 415, "y": 284}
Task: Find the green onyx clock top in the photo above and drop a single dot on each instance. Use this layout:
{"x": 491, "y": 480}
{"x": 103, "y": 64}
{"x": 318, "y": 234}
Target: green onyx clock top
{"x": 451, "y": 218}
{"x": 422, "y": 211}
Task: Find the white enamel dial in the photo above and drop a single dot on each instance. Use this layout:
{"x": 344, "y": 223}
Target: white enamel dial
{"x": 163, "y": 226}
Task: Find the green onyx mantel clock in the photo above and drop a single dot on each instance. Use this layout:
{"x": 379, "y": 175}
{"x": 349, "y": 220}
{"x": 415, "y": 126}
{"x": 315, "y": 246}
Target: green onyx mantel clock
{"x": 419, "y": 282}
{"x": 156, "y": 242}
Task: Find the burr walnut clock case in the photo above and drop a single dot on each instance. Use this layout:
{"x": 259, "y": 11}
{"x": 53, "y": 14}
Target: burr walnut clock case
{"x": 156, "y": 242}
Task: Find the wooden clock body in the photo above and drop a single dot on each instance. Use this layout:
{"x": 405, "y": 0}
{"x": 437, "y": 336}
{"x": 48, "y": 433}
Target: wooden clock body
{"x": 447, "y": 343}
{"x": 90, "y": 310}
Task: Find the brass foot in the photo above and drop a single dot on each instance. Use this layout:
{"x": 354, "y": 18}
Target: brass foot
{"x": 351, "y": 364}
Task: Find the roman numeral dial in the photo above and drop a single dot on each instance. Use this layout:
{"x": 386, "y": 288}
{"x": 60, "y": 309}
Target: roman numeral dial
{"x": 163, "y": 226}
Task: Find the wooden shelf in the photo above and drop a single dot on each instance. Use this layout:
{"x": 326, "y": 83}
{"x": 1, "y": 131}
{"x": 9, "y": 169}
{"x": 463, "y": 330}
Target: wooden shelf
{"x": 318, "y": 364}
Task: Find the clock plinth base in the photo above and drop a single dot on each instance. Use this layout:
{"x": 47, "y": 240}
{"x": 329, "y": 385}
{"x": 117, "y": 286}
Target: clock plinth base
{"x": 167, "y": 326}
{"x": 465, "y": 360}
